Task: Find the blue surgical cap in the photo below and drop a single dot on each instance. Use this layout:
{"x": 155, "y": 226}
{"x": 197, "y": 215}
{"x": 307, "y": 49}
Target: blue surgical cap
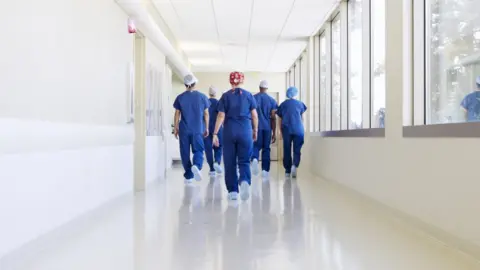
{"x": 292, "y": 92}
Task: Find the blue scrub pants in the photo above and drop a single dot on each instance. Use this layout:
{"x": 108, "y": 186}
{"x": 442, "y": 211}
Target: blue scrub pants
{"x": 237, "y": 148}
{"x": 213, "y": 153}
{"x": 264, "y": 139}
{"x": 297, "y": 142}
{"x": 195, "y": 141}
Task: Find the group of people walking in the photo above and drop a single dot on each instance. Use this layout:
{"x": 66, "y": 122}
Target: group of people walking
{"x": 237, "y": 127}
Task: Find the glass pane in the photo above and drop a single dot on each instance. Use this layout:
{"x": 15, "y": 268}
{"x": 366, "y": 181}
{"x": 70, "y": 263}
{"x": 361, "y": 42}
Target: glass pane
{"x": 378, "y": 65}
{"x": 336, "y": 74}
{"x": 355, "y": 54}
{"x": 453, "y": 61}
{"x": 323, "y": 83}
{"x": 316, "y": 87}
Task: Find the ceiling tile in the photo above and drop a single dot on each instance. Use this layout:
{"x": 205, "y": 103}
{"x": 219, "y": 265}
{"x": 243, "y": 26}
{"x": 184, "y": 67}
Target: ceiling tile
{"x": 233, "y": 19}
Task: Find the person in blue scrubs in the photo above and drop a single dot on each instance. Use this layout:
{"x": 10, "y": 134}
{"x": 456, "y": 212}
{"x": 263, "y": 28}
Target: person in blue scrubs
{"x": 291, "y": 113}
{"x": 266, "y": 109}
{"x": 237, "y": 112}
{"x": 471, "y": 104}
{"x": 213, "y": 153}
{"x": 191, "y": 126}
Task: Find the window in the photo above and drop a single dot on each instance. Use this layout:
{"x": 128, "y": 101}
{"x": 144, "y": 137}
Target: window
{"x": 452, "y": 61}
{"x": 355, "y": 54}
{"x": 378, "y": 63}
{"x": 336, "y": 73}
{"x": 323, "y": 82}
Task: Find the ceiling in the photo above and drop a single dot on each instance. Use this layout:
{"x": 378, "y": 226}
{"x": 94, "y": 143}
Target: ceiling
{"x": 245, "y": 35}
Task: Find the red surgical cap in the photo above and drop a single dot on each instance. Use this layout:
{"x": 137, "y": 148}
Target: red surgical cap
{"x": 236, "y": 78}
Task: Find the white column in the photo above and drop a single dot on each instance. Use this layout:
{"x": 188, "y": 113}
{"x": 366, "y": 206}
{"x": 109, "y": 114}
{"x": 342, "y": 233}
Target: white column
{"x": 394, "y": 62}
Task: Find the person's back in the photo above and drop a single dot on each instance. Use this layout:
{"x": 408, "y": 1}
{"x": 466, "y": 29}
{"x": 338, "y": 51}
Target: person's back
{"x": 192, "y": 105}
{"x": 213, "y": 112}
{"x": 471, "y": 104}
{"x": 291, "y": 111}
{"x": 237, "y": 105}
{"x": 265, "y": 105}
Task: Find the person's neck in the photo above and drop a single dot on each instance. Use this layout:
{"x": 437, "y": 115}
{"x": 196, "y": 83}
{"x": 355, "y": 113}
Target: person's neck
{"x": 263, "y": 90}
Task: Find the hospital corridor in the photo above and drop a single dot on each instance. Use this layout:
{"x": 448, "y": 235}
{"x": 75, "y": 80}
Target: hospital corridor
{"x": 240, "y": 135}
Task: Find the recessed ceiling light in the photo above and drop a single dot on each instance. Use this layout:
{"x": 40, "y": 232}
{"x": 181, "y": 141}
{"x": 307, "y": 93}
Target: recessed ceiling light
{"x": 199, "y": 47}
{"x": 205, "y": 61}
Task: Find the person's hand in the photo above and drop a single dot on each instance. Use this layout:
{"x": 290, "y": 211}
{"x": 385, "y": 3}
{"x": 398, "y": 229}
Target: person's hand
{"x": 255, "y": 135}
{"x": 175, "y": 132}
{"x": 205, "y": 133}
{"x": 274, "y": 138}
{"x": 216, "y": 142}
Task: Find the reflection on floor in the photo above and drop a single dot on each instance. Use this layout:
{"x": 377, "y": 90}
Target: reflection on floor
{"x": 288, "y": 224}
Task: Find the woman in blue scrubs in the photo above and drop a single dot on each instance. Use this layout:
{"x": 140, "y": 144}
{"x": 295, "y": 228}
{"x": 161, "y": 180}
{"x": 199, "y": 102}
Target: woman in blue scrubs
{"x": 237, "y": 112}
{"x": 213, "y": 153}
{"x": 293, "y": 132}
{"x": 191, "y": 126}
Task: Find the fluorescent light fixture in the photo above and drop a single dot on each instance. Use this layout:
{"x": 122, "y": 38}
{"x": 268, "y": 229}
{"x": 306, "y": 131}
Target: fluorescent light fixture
{"x": 205, "y": 61}
{"x": 199, "y": 47}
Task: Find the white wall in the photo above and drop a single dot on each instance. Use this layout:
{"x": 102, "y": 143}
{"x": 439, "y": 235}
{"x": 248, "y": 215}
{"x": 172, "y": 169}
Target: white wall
{"x": 432, "y": 183}
{"x": 252, "y": 80}
{"x": 65, "y": 148}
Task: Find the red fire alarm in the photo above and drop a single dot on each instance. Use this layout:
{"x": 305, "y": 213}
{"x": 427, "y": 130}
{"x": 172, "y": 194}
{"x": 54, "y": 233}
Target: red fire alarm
{"x": 131, "y": 27}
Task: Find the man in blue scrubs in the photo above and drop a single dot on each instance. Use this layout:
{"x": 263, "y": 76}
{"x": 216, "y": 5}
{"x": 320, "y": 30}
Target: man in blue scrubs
{"x": 213, "y": 153}
{"x": 266, "y": 108}
{"x": 237, "y": 111}
{"x": 191, "y": 126}
{"x": 293, "y": 132}
{"x": 471, "y": 104}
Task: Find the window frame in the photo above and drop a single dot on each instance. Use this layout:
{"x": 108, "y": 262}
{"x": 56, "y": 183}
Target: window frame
{"x": 417, "y": 111}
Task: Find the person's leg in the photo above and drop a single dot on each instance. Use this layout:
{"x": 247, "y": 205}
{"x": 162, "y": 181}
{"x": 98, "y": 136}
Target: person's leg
{"x": 185, "y": 155}
{"x": 208, "y": 141}
{"x": 266, "y": 141}
{"x": 230, "y": 162}
{"x": 287, "y": 151}
{"x": 244, "y": 152}
{"x": 218, "y": 150}
{"x": 257, "y": 146}
{"x": 197, "y": 148}
{"x": 298, "y": 141}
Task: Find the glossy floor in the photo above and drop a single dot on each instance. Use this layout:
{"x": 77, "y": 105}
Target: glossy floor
{"x": 303, "y": 224}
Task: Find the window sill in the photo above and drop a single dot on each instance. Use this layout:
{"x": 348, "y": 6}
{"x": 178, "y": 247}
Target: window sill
{"x": 353, "y": 133}
{"x": 450, "y": 130}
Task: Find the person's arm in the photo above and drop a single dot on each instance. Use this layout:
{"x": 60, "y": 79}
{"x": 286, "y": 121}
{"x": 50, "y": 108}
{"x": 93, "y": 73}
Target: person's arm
{"x": 273, "y": 122}
{"x": 219, "y": 122}
{"x": 176, "y": 122}
{"x": 254, "y": 123}
{"x": 206, "y": 119}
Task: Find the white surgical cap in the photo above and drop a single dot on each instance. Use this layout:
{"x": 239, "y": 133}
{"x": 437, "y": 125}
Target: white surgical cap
{"x": 189, "y": 80}
{"x": 212, "y": 91}
{"x": 264, "y": 84}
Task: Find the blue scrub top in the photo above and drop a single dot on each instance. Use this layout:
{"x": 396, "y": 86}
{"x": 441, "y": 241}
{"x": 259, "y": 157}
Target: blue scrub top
{"x": 265, "y": 105}
{"x": 471, "y": 103}
{"x": 291, "y": 111}
{"x": 213, "y": 112}
{"x": 192, "y": 105}
{"x": 237, "y": 105}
